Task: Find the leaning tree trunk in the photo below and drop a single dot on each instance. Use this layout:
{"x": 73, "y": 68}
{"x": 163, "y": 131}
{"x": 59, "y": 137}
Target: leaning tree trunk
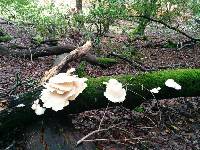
{"x": 93, "y": 96}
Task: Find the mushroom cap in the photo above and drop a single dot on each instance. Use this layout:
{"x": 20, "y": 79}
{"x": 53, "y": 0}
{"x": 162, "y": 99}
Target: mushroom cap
{"x": 54, "y": 100}
{"x": 40, "y": 110}
{"x": 62, "y": 78}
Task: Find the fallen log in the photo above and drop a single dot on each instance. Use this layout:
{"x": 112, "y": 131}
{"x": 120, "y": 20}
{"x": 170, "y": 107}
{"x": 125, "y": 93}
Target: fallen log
{"x": 55, "y": 50}
{"x": 35, "y": 53}
{"x": 102, "y": 62}
{"x": 93, "y": 97}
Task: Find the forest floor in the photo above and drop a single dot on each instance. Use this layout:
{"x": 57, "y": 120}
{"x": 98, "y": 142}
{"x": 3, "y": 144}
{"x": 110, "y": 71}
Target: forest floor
{"x": 175, "y": 124}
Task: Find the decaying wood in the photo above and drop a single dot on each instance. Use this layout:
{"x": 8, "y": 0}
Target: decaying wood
{"x": 54, "y": 133}
{"x": 75, "y": 54}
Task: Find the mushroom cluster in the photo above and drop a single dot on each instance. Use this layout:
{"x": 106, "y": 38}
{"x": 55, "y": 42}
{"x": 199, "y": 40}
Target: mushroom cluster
{"x": 61, "y": 89}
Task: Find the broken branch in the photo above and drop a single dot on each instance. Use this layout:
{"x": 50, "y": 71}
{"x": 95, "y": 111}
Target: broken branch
{"x": 75, "y": 54}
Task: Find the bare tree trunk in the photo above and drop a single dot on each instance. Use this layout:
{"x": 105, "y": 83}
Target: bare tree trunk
{"x": 79, "y": 5}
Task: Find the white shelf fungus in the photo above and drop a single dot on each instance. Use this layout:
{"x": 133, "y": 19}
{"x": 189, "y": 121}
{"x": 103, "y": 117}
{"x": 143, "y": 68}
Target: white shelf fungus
{"x": 114, "y": 91}
{"x": 172, "y": 84}
{"x": 61, "y": 89}
{"x": 155, "y": 90}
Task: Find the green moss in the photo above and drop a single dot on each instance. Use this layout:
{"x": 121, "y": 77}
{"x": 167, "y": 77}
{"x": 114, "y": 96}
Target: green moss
{"x": 93, "y": 97}
{"x": 80, "y": 71}
{"x": 170, "y": 44}
{"x": 5, "y": 38}
{"x": 139, "y": 109}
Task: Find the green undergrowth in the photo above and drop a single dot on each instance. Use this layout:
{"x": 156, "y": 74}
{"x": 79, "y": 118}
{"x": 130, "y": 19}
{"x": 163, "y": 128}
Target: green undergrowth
{"x": 80, "y": 71}
{"x": 5, "y": 38}
{"x": 170, "y": 44}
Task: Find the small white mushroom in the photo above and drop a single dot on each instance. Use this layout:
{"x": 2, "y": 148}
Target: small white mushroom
{"x": 172, "y": 84}
{"x": 38, "y": 109}
{"x": 155, "y": 90}
{"x": 114, "y": 91}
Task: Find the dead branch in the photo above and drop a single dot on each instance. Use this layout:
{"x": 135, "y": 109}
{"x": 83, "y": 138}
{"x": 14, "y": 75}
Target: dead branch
{"x": 131, "y": 62}
{"x": 75, "y": 54}
{"x": 168, "y": 26}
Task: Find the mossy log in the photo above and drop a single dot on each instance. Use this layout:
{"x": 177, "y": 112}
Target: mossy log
{"x": 138, "y": 87}
{"x": 93, "y": 96}
{"x": 102, "y": 62}
{"x": 106, "y": 61}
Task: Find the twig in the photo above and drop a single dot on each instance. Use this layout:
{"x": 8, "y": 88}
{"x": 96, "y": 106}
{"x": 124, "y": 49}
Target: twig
{"x": 10, "y": 146}
{"x": 91, "y": 133}
{"x": 112, "y": 140}
{"x": 150, "y": 120}
{"x": 145, "y": 127}
{"x": 138, "y": 94}
{"x": 103, "y": 116}
{"x": 132, "y": 63}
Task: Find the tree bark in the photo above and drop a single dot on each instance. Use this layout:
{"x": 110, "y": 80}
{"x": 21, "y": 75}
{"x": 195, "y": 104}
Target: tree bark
{"x": 102, "y": 62}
